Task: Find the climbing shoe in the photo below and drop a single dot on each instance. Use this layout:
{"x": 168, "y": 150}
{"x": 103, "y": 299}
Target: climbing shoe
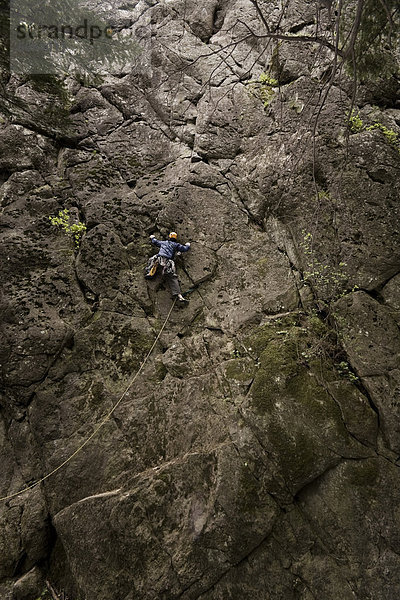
{"x": 181, "y": 298}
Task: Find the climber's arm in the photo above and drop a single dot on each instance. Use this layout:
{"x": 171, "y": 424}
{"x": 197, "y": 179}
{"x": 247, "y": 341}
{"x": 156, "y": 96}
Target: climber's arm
{"x": 181, "y": 248}
{"x": 155, "y": 241}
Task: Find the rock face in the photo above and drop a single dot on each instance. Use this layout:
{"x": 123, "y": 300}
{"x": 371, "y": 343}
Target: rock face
{"x": 256, "y": 456}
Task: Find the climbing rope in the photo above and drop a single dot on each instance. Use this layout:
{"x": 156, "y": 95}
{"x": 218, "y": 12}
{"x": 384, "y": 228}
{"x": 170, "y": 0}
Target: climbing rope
{"x": 102, "y": 422}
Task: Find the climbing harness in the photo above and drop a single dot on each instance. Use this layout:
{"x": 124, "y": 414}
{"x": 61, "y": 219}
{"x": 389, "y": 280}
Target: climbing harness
{"x": 102, "y": 422}
{"x": 168, "y": 265}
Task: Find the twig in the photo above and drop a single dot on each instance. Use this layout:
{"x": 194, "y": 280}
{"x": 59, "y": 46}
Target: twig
{"x": 292, "y": 38}
{"x": 260, "y": 14}
{"x": 52, "y": 591}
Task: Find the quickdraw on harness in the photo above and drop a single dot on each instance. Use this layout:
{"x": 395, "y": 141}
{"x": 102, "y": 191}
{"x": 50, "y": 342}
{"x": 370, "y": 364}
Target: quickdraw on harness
{"x": 151, "y": 268}
{"x": 167, "y": 264}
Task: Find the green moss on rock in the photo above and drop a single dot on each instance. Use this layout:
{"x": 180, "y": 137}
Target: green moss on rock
{"x": 297, "y": 454}
{"x": 314, "y": 400}
{"x": 304, "y": 426}
{"x": 288, "y": 351}
{"x": 278, "y": 362}
{"x": 240, "y": 369}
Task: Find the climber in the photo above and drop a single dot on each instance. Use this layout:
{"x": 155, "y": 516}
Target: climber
{"x": 165, "y": 258}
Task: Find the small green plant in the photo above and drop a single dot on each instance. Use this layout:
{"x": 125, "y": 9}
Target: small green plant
{"x": 356, "y": 125}
{"x": 268, "y": 80}
{"x": 345, "y": 371}
{"x": 391, "y": 136}
{"x": 76, "y": 230}
{"x": 323, "y": 195}
{"x": 355, "y": 122}
{"x": 263, "y": 88}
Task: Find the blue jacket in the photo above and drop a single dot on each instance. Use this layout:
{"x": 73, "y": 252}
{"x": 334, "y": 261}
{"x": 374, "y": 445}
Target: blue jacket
{"x": 169, "y": 247}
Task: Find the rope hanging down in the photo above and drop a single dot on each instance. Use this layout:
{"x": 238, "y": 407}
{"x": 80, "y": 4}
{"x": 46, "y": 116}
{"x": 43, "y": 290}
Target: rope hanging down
{"x": 102, "y": 422}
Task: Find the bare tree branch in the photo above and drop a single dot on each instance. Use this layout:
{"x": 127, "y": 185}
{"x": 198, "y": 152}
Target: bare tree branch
{"x": 325, "y": 96}
{"x": 293, "y": 38}
{"x": 388, "y": 15}
{"x": 355, "y": 29}
{"x": 52, "y": 591}
{"x": 260, "y": 14}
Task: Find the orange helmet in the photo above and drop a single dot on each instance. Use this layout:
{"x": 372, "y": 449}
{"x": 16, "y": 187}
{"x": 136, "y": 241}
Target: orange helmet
{"x": 173, "y": 235}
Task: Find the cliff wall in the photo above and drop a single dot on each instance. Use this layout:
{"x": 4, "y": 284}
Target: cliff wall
{"x": 256, "y": 456}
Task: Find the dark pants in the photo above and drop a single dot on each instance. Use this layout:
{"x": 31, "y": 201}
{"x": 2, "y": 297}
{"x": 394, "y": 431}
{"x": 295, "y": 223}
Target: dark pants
{"x": 170, "y": 275}
{"x": 173, "y": 284}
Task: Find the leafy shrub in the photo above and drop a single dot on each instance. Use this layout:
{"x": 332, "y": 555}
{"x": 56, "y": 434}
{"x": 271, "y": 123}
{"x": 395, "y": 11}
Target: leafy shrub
{"x": 262, "y": 88}
{"x": 355, "y": 122}
{"x": 356, "y": 125}
{"x": 346, "y": 372}
{"x": 63, "y": 220}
